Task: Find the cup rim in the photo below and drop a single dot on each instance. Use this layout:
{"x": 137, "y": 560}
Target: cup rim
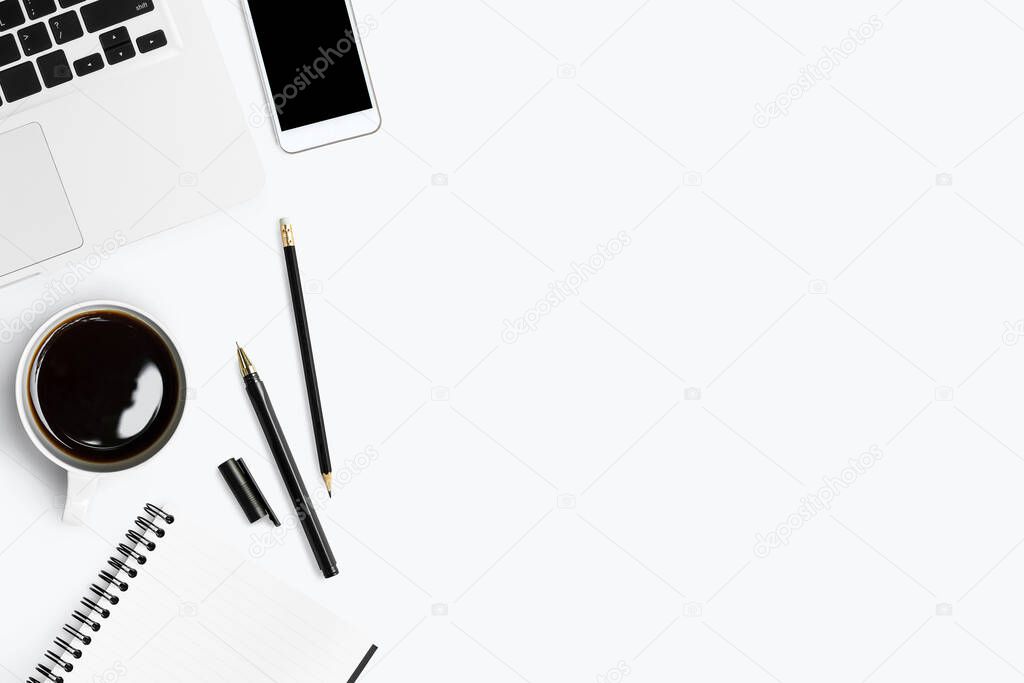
{"x": 28, "y": 356}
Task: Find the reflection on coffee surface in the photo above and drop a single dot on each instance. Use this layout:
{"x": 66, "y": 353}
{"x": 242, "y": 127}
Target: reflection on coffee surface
{"x": 104, "y": 387}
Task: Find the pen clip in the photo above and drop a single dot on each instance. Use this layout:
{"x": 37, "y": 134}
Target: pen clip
{"x": 259, "y": 493}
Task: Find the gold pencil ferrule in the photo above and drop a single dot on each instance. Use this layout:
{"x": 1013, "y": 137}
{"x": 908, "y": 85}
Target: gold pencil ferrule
{"x": 287, "y": 234}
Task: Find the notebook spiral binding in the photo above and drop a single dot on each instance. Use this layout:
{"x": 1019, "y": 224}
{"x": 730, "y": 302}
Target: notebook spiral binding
{"x": 96, "y": 607}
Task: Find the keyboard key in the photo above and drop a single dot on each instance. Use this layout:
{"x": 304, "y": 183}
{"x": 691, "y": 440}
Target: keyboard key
{"x": 10, "y": 14}
{"x": 116, "y": 55}
{"x": 65, "y": 27}
{"x": 34, "y": 39}
{"x": 106, "y": 13}
{"x": 87, "y": 65}
{"x": 151, "y": 41}
{"x": 19, "y": 82}
{"x": 119, "y": 36}
{"x": 54, "y": 68}
{"x": 37, "y": 9}
{"x": 70, "y": 3}
{"x": 117, "y": 45}
{"x": 8, "y": 50}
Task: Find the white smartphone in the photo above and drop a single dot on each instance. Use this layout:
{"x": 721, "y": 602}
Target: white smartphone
{"x": 314, "y": 72}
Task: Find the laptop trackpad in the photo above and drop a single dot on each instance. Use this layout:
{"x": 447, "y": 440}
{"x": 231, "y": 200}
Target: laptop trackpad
{"x": 36, "y": 221}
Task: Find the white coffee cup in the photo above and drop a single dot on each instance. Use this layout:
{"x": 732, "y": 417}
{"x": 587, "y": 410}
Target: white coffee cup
{"x": 84, "y": 475}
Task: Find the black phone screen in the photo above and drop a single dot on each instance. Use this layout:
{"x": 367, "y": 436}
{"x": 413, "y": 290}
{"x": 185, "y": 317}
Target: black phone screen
{"x": 312, "y": 62}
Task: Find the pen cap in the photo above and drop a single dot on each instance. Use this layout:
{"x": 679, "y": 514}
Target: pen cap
{"x": 247, "y": 492}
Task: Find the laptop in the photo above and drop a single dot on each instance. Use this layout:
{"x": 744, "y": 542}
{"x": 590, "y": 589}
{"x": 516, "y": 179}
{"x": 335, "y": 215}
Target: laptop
{"x": 117, "y": 120}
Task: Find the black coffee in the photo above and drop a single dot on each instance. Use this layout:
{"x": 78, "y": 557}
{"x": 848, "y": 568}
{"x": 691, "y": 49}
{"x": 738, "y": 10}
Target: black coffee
{"x": 105, "y": 387}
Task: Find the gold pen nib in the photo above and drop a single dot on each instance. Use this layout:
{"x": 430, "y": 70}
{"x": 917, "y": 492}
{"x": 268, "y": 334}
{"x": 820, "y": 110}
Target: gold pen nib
{"x": 244, "y": 364}
{"x": 287, "y": 233}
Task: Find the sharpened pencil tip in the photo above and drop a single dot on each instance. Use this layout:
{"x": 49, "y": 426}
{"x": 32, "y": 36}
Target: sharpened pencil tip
{"x": 327, "y": 481}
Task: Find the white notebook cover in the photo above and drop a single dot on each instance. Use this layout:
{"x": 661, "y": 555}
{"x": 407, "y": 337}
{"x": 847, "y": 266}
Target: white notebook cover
{"x": 198, "y": 613}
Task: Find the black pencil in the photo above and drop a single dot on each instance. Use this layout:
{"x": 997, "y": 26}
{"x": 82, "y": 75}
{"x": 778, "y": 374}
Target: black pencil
{"x": 316, "y": 411}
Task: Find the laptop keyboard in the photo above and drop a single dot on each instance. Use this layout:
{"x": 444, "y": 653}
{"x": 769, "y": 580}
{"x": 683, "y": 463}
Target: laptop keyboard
{"x": 45, "y": 44}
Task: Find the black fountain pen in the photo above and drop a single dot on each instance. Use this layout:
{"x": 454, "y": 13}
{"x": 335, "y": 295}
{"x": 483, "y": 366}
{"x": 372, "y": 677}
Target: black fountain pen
{"x": 286, "y": 463}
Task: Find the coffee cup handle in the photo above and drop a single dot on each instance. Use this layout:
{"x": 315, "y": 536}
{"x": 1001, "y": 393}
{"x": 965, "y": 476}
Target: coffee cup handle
{"x": 82, "y": 488}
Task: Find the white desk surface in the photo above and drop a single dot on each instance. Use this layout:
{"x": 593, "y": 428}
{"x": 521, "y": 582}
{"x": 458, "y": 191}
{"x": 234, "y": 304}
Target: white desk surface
{"x": 584, "y": 502}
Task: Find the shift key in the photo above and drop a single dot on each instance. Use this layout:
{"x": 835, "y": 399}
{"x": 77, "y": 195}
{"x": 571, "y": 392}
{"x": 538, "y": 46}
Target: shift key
{"x": 106, "y": 13}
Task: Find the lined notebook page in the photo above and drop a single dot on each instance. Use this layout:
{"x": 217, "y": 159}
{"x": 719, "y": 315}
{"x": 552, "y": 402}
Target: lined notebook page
{"x": 198, "y": 613}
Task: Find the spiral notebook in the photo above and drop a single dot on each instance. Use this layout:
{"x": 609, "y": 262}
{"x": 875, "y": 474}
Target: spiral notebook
{"x": 171, "y": 605}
